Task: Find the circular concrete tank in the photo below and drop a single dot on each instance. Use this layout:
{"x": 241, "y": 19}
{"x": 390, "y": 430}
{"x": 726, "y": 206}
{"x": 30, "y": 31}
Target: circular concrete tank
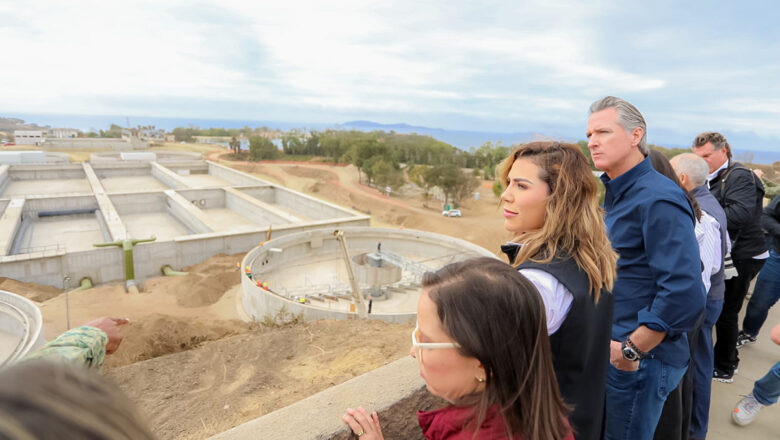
{"x": 303, "y": 275}
{"x": 21, "y": 326}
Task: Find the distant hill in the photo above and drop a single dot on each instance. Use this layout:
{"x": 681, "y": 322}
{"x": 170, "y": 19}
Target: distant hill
{"x": 11, "y": 124}
{"x": 460, "y": 138}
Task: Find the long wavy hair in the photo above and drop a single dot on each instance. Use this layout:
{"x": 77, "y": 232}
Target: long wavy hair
{"x": 496, "y": 316}
{"x": 573, "y": 222}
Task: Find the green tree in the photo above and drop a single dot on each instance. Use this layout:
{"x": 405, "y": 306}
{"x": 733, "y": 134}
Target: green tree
{"x": 182, "y": 134}
{"x": 455, "y": 184}
{"x": 235, "y": 145}
{"x": 261, "y": 148}
{"x": 385, "y": 174}
{"x": 114, "y": 132}
{"x": 498, "y": 188}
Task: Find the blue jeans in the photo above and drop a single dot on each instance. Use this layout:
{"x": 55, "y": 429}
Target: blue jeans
{"x": 765, "y": 295}
{"x": 767, "y": 389}
{"x": 635, "y": 398}
{"x": 702, "y": 364}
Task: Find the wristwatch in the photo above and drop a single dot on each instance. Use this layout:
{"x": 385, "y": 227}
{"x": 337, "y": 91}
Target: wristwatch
{"x": 631, "y": 352}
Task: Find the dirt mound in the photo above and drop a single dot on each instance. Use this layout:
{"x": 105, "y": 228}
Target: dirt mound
{"x": 198, "y": 393}
{"x": 32, "y": 291}
{"x": 204, "y": 284}
{"x": 157, "y": 335}
{"x": 311, "y": 173}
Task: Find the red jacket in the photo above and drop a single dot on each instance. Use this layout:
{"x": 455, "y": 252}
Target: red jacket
{"x": 447, "y": 423}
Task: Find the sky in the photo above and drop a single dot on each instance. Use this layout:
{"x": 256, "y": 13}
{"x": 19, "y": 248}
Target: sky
{"x": 505, "y": 66}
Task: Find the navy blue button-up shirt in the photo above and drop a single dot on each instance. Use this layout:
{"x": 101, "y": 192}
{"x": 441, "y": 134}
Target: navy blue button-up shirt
{"x": 651, "y": 225}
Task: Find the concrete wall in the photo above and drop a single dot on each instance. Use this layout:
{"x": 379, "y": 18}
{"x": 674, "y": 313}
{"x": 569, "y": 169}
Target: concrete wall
{"x": 232, "y": 176}
{"x": 10, "y": 219}
{"x": 22, "y": 157}
{"x": 162, "y": 156}
{"x": 167, "y": 176}
{"x": 263, "y": 193}
{"x": 35, "y": 172}
{"x": 5, "y": 178}
{"x": 107, "y": 169}
{"x": 259, "y": 303}
{"x": 33, "y": 205}
{"x": 205, "y": 198}
{"x": 188, "y": 214}
{"x": 306, "y": 205}
{"x": 57, "y": 158}
{"x": 395, "y": 391}
{"x": 139, "y": 203}
{"x": 258, "y": 214}
{"x": 87, "y": 143}
{"x": 309, "y": 206}
{"x": 106, "y": 265}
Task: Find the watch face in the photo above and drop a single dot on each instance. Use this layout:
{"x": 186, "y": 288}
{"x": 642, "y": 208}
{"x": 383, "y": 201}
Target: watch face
{"x": 629, "y": 354}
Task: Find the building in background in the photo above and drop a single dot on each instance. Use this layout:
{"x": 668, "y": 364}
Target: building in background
{"x": 28, "y": 137}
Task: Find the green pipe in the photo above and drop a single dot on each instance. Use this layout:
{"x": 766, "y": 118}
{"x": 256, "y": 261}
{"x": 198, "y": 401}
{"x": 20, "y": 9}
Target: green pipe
{"x": 127, "y": 247}
{"x": 86, "y": 283}
{"x": 169, "y": 272}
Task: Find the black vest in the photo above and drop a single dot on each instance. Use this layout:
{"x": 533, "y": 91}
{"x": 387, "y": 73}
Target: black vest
{"x": 580, "y": 348}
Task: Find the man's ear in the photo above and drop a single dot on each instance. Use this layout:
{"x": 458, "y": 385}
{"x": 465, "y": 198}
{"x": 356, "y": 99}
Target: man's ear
{"x": 636, "y": 136}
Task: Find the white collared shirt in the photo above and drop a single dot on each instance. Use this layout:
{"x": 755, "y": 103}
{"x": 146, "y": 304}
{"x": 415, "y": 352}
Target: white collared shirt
{"x": 714, "y": 174}
{"x": 557, "y": 298}
{"x": 708, "y": 236}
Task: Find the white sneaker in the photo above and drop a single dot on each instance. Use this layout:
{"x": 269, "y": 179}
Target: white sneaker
{"x": 746, "y": 410}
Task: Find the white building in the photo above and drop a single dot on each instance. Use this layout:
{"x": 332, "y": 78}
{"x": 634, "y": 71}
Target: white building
{"x": 63, "y": 133}
{"x": 28, "y": 137}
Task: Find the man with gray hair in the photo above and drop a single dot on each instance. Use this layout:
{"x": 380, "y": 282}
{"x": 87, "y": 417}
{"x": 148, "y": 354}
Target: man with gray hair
{"x": 740, "y": 192}
{"x": 692, "y": 172}
{"x": 658, "y": 292}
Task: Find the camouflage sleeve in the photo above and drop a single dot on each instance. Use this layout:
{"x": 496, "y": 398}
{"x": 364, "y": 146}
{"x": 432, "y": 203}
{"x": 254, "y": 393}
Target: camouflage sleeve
{"x": 84, "y": 345}
{"x": 771, "y": 189}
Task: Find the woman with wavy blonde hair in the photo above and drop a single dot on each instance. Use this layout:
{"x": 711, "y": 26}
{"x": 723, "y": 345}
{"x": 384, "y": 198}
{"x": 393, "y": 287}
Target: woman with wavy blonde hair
{"x": 560, "y": 244}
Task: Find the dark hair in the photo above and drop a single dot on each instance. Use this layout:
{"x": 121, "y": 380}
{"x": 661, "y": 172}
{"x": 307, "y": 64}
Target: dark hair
{"x": 664, "y": 167}
{"x": 717, "y": 140}
{"x": 497, "y": 316}
{"x": 41, "y": 399}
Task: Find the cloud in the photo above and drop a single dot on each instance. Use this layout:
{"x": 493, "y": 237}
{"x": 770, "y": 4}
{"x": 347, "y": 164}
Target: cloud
{"x": 518, "y": 64}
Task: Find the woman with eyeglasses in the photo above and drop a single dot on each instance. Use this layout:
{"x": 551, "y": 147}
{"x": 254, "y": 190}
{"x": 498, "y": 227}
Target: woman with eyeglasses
{"x": 481, "y": 344}
{"x": 560, "y": 244}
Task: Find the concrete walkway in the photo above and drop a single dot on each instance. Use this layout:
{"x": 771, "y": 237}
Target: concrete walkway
{"x": 755, "y": 361}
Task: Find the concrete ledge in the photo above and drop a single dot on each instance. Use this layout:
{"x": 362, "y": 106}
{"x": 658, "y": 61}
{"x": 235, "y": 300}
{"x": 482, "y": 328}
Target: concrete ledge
{"x": 167, "y": 176}
{"x": 232, "y": 176}
{"x": 10, "y": 219}
{"x": 257, "y": 210}
{"x": 188, "y": 214}
{"x": 116, "y": 229}
{"x": 395, "y": 391}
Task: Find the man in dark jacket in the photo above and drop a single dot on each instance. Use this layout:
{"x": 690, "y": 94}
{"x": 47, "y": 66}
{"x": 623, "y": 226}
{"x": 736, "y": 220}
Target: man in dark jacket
{"x": 767, "y": 290}
{"x": 740, "y": 193}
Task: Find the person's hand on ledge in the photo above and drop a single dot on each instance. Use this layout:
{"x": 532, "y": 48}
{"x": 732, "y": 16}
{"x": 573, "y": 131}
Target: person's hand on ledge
{"x": 363, "y": 425}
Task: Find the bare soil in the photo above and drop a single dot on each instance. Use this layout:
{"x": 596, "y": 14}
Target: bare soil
{"x": 32, "y": 291}
{"x": 200, "y": 392}
{"x": 195, "y": 369}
